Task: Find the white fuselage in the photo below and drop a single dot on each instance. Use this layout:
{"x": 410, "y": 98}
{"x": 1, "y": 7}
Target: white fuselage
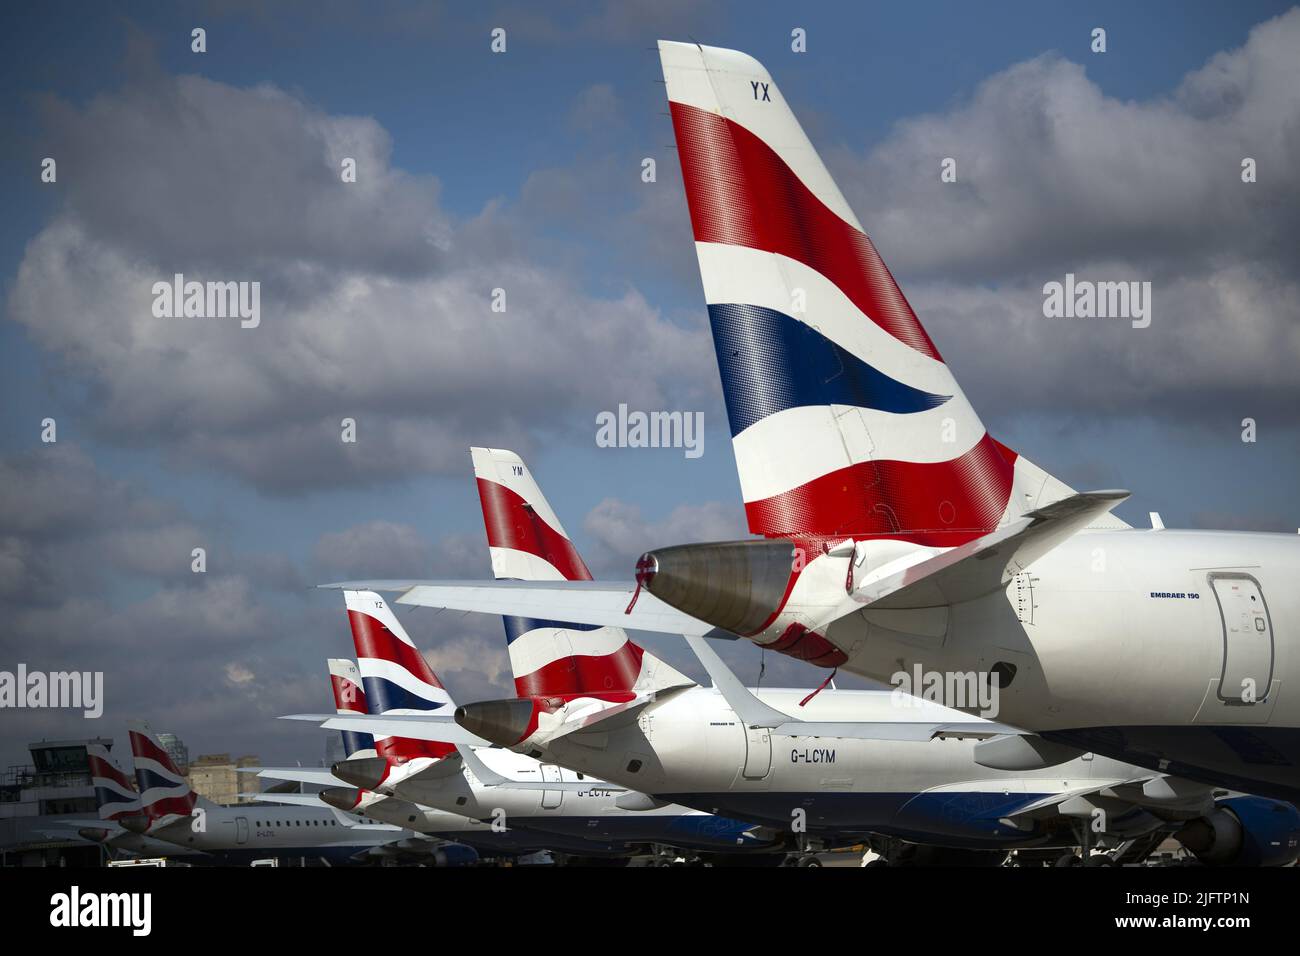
{"x": 253, "y": 828}
{"x": 1137, "y": 644}
{"x": 692, "y": 748}
{"x": 589, "y": 811}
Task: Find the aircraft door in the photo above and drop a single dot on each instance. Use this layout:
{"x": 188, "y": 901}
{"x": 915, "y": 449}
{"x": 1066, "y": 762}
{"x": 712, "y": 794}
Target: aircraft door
{"x": 241, "y": 830}
{"x": 758, "y": 753}
{"x": 551, "y": 798}
{"x": 1247, "y": 639}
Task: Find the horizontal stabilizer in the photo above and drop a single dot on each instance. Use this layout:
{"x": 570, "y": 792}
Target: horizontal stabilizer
{"x": 490, "y": 778}
{"x": 316, "y": 775}
{"x": 986, "y": 564}
{"x": 598, "y": 603}
{"x": 416, "y": 726}
{"x": 288, "y": 799}
{"x": 109, "y": 825}
{"x": 610, "y": 718}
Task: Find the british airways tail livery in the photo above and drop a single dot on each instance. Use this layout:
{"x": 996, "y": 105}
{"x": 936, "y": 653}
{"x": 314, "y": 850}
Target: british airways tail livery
{"x": 396, "y": 682}
{"x": 845, "y": 419}
{"x": 118, "y": 804}
{"x": 551, "y": 658}
{"x": 165, "y": 792}
{"x": 350, "y": 698}
{"x": 114, "y": 795}
{"x": 395, "y": 677}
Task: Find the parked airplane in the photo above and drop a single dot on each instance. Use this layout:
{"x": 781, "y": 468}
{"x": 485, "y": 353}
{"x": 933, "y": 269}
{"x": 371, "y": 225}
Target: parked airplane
{"x": 898, "y": 536}
{"x": 116, "y": 800}
{"x": 350, "y": 699}
{"x": 498, "y": 785}
{"x": 175, "y": 814}
{"x": 838, "y": 766}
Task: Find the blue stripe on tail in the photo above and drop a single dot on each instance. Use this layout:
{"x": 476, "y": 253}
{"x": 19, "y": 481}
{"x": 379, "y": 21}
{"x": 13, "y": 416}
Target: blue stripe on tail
{"x": 770, "y": 362}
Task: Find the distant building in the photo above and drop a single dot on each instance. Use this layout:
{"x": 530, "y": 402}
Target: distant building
{"x": 177, "y": 750}
{"x": 215, "y": 776}
{"x": 33, "y": 798}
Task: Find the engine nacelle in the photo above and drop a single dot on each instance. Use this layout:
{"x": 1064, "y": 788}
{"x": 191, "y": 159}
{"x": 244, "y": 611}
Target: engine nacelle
{"x": 740, "y": 587}
{"x": 734, "y": 585}
{"x": 440, "y": 854}
{"x": 1245, "y": 831}
{"x": 455, "y": 854}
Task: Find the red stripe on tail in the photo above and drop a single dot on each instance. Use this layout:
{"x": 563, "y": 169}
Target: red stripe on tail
{"x": 933, "y": 503}
{"x": 513, "y": 523}
{"x": 741, "y": 193}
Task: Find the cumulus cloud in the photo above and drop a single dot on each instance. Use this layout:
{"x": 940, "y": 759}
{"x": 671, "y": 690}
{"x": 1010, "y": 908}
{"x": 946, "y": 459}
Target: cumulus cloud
{"x": 1051, "y": 171}
{"x": 376, "y": 304}
{"x": 65, "y": 524}
{"x": 95, "y": 575}
{"x": 389, "y": 549}
{"x": 1054, "y": 176}
{"x": 596, "y": 108}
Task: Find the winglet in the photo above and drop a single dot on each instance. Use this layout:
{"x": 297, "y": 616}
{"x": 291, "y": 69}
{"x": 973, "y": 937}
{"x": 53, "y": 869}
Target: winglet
{"x": 748, "y": 708}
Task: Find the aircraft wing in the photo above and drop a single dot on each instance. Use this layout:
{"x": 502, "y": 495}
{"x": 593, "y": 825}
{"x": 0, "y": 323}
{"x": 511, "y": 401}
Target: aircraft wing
{"x": 441, "y": 729}
{"x": 1152, "y": 791}
{"x": 599, "y": 603}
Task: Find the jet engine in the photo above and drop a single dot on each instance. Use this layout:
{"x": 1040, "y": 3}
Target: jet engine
{"x": 737, "y": 586}
{"x": 1245, "y": 831}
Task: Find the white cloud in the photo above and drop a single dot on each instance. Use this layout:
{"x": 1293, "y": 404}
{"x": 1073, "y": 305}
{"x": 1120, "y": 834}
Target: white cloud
{"x": 375, "y": 304}
{"x": 1055, "y": 176}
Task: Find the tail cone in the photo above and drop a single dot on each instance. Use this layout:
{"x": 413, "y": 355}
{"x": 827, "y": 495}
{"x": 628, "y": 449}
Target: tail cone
{"x": 341, "y": 798}
{"x": 364, "y": 772}
{"x": 504, "y": 722}
{"x": 734, "y": 585}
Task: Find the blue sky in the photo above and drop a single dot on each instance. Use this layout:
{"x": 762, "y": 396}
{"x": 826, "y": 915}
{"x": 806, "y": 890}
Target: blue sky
{"x": 529, "y": 162}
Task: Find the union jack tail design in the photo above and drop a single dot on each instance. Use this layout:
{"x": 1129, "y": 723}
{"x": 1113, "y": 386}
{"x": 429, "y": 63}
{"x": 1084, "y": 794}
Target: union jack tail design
{"x": 114, "y": 796}
{"x": 553, "y": 659}
{"x": 165, "y": 793}
{"x": 395, "y": 677}
{"x": 845, "y": 420}
{"x": 350, "y": 698}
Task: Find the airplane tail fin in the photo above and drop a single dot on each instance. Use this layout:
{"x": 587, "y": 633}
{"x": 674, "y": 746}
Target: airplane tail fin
{"x": 845, "y": 420}
{"x": 165, "y": 793}
{"x": 350, "y": 698}
{"x": 115, "y": 797}
{"x": 528, "y": 543}
{"x": 395, "y": 677}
